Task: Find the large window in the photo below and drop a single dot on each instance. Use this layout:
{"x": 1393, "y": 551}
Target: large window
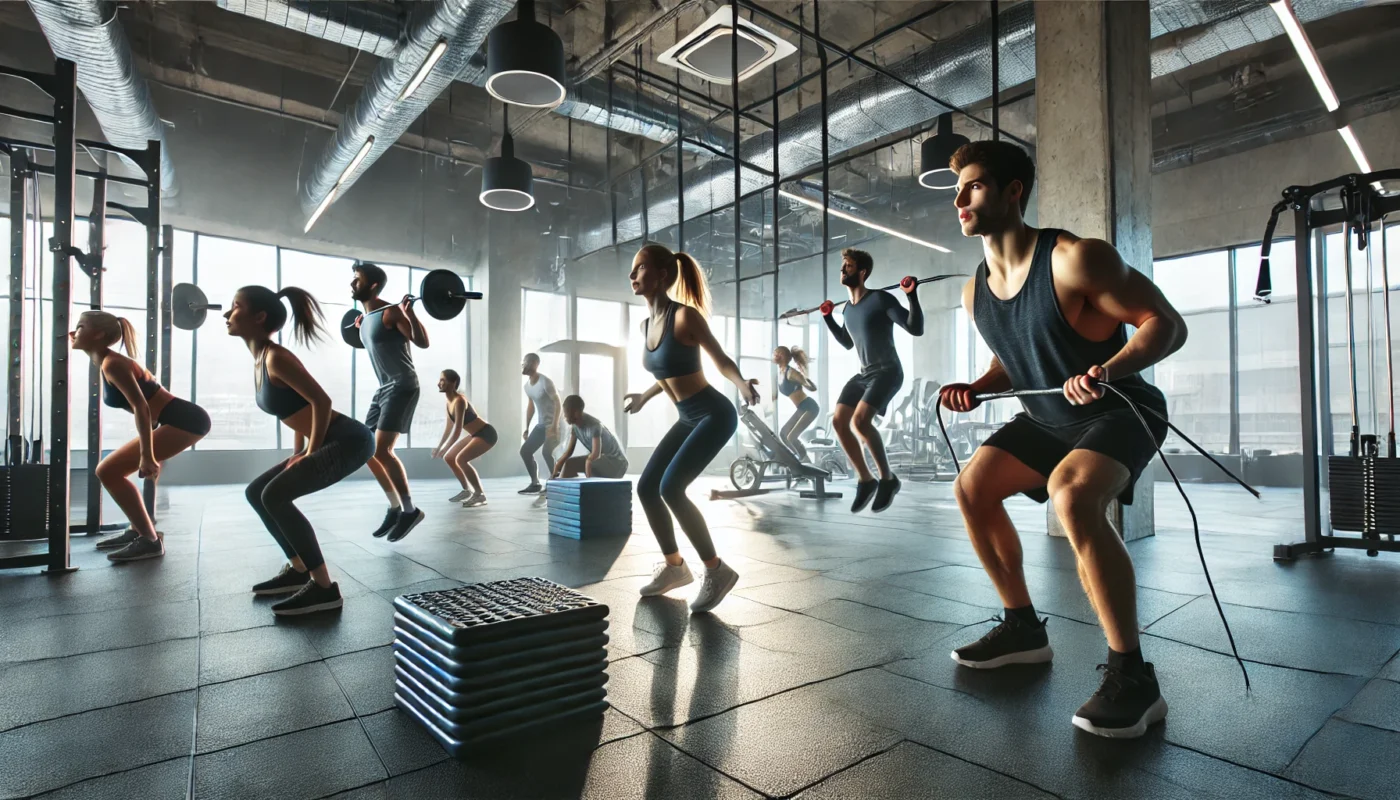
{"x": 1268, "y": 352}
{"x": 447, "y": 349}
{"x": 601, "y": 321}
{"x": 544, "y": 319}
{"x": 1196, "y": 379}
{"x": 223, "y": 366}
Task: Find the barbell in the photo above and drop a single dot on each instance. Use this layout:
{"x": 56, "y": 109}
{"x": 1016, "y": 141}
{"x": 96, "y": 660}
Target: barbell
{"x": 443, "y": 295}
{"x": 189, "y": 306}
{"x": 797, "y": 312}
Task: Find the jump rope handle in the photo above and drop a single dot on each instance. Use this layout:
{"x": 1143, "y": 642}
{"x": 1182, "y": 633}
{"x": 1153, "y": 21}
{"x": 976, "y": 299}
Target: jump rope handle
{"x": 827, "y": 307}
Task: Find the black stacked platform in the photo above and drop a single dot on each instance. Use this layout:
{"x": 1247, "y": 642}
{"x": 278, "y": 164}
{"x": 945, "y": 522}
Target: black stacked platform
{"x": 491, "y": 660}
{"x": 587, "y": 508}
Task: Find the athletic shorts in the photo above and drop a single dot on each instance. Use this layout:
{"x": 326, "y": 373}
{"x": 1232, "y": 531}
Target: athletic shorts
{"x": 604, "y": 467}
{"x": 809, "y": 404}
{"x": 392, "y": 408}
{"x": 876, "y": 387}
{"x": 1117, "y": 434}
{"x": 184, "y": 415}
{"x": 487, "y": 434}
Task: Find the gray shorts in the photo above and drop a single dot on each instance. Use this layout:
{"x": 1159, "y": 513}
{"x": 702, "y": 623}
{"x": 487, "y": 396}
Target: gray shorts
{"x": 392, "y": 408}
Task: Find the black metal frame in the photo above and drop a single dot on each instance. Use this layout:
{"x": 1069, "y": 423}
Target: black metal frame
{"x": 1307, "y": 219}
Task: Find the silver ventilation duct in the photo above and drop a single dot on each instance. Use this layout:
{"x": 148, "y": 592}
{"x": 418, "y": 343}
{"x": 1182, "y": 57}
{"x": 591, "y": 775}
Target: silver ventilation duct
{"x": 370, "y": 27}
{"x": 86, "y": 32}
{"x": 957, "y": 70}
{"x": 379, "y": 112}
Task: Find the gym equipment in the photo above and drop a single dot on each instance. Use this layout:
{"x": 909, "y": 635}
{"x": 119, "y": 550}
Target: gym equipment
{"x": 1137, "y": 410}
{"x": 748, "y": 474}
{"x": 797, "y": 312}
{"x": 443, "y": 295}
{"x": 493, "y": 660}
{"x": 588, "y": 508}
{"x": 189, "y": 307}
{"x": 1363, "y": 484}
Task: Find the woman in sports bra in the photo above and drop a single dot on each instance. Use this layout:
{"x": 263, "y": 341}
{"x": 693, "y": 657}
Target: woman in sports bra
{"x": 675, "y": 331}
{"x": 458, "y": 451}
{"x": 327, "y": 447}
{"x": 792, "y": 380}
{"x": 165, "y": 427}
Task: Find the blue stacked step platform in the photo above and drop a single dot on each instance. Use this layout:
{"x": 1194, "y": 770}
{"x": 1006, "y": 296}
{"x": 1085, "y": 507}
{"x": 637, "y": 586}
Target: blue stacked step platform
{"x": 589, "y": 508}
{"x": 487, "y": 662}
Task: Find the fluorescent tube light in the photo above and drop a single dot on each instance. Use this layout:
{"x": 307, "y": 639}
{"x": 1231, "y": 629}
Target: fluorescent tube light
{"x": 1306, "y": 53}
{"x": 320, "y": 209}
{"x": 867, "y": 223}
{"x": 1354, "y": 146}
{"x": 434, "y": 56}
{"x": 355, "y": 162}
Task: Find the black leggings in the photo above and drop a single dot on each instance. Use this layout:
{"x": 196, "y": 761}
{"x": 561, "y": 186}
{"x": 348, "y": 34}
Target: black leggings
{"x": 804, "y": 415}
{"x": 707, "y": 421}
{"x": 347, "y": 447}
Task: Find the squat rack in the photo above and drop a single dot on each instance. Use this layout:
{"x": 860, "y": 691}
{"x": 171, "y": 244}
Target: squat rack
{"x": 61, "y": 86}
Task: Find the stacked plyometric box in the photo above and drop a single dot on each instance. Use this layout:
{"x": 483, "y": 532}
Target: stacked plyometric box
{"x": 588, "y": 508}
{"x": 491, "y": 660}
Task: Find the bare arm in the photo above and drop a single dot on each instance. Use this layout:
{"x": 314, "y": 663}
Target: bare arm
{"x": 1095, "y": 270}
{"x": 407, "y": 323}
{"x": 695, "y": 330}
{"x": 805, "y": 381}
{"x": 529, "y": 413}
{"x": 298, "y": 442}
{"x": 288, "y": 369}
{"x": 564, "y": 456}
{"x": 122, "y": 374}
{"x": 839, "y": 332}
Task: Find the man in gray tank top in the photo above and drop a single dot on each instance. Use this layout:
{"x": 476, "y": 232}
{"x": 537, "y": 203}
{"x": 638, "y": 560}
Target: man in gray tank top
{"x": 387, "y": 331}
{"x": 543, "y": 400}
{"x": 605, "y": 457}
{"x": 1053, "y": 309}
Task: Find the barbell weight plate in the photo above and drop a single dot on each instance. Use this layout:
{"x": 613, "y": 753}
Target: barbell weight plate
{"x": 188, "y": 306}
{"x": 348, "y": 331}
{"x": 443, "y": 294}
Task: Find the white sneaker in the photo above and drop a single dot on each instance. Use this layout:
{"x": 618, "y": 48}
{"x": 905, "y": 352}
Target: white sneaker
{"x": 718, "y": 582}
{"x": 666, "y": 577}
{"x": 460, "y": 496}
{"x": 474, "y": 501}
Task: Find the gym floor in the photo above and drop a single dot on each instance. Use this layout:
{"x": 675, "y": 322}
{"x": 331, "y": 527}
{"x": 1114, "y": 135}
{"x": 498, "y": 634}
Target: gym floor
{"x": 825, "y": 674}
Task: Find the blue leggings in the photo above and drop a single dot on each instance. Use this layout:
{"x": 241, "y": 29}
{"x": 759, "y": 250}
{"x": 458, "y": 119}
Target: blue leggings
{"x": 707, "y": 421}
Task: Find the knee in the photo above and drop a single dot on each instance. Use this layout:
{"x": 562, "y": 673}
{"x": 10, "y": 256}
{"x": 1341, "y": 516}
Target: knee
{"x": 254, "y": 495}
{"x": 1078, "y": 506}
{"x": 972, "y": 498}
{"x": 673, "y": 492}
{"x": 383, "y": 453}
{"x": 842, "y": 418}
{"x": 648, "y": 487}
{"x": 109, "y": 474}
{"x": 861, "y": 421}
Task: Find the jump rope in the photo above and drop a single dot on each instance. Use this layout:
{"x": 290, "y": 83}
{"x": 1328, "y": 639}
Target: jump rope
{"x": 1195, "y": 525}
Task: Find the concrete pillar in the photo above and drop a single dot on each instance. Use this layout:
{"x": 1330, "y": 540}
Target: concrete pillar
{"x": 496, "y": 358}
{"x": 1094, "y": 151}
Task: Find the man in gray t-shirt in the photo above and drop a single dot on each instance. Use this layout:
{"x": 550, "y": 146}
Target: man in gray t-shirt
{"x": 543, "y": 406}
{"x": 605, "y": 458}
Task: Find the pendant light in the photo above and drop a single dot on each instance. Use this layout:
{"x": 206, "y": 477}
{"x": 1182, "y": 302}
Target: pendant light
{"x": 525, "y": 61}
{"x": 507, "y": 183}
{"x": 935, "y": 152}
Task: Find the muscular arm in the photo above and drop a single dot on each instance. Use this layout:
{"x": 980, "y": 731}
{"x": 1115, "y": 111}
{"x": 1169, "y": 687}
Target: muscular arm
{"x": 122, "y": 374}
{"x": 839, "y": 332}
{"x": 912, "y": 320}
{"x": 695, "y": 330}
{"x": 529, "y": 411}
{"x": 1095, "y": 271}
{"x": 288, "y": 369}
{"x": 411, "y": 327}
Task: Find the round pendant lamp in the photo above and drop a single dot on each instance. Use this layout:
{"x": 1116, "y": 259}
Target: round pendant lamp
{"x": 935, "y": 153}
{"x": 507, "y": 183}
{"x": 525, "y": 61}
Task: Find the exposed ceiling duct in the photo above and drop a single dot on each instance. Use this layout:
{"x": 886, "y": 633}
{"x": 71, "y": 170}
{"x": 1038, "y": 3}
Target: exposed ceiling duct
{"x": 370, "y": 27}
{"x": 957, "y": 70}
{"x": 86, "y": 32}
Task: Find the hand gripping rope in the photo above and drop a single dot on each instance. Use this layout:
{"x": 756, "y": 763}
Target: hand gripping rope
{"x": 1195, "y": 526}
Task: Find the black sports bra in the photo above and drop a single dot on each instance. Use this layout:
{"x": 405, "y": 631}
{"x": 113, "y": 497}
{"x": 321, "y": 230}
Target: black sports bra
{"x": 468, "y": 414}
{"x": 112, "y": 397}
{"x": 279, "y": 401}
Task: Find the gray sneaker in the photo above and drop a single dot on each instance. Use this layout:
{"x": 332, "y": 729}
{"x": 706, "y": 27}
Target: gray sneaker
{"x": 474, "y": 501}
{"x": 138, "y": 550}
{"x": 718, "y": 582}
{"x": 666, "y": 577}
{"x": 118, "y": 540}
{"x": 465, "y": 494}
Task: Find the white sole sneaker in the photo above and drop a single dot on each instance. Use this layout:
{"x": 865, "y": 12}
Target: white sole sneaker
{"x": 1040, "y": 655}
{"x": 650, "y": 591}
{"x": 721, "y": 592}
{"x": 1155, "y": 713}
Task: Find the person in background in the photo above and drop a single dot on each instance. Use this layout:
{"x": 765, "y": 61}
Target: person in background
{"x": 458, "y": 451}
{"x": 543, "y": 399}
{"x": 605, "y": 458}
{"x": 792, "y": 380}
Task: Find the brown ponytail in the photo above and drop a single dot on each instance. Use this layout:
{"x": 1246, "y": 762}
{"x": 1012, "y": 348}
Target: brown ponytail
{"x": 307, "y": 320}
{"x": 687, "y": 284}
{"x": 799, "y": 357}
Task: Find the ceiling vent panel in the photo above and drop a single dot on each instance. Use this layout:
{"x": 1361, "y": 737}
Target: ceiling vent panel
{"x": 708, "y": 52}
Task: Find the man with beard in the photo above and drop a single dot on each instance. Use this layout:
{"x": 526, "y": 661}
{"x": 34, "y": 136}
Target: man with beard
{"x": 868, "y": 325}
{"x": 386, "y": 331}
{"x": 1053, "y": 308}
{"x": 542, "y": 399}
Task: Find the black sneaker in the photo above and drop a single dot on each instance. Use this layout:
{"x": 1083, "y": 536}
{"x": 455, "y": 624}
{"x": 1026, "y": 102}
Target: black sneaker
{"x": 118, "y": 540}
{"x": 390, "y": 519}
{"x": 309, "y": 599}
{"x": 406, "y": 523}
{"x": 286, "y": 582}
{"x": 533, "y": 488}
{"x": 865, "y": 492}
{"x": 884, "y": 494}
{"x": 1125, "y": 704}
{"x": 1011, "y": 642}
{"x": 141, "y": 548}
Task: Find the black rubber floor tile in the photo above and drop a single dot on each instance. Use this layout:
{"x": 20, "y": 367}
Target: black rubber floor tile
{"x": 387, "y": 573}
{"x": 56, "y": 753}
{"x": 784, "y": 743}
{"x": 167, "y": 780}
{"x": 365, "y": 621}
{"x": 374, "y": 791}
{"x": 920, "y": 605}
{"x": 103, "y": 630}
{"x": 367, "y": 677}
{"x": 881, "y": 567}
{"x": 402, "y": 744}
{"x": 230, "y": 656}
{"x": 235, "y": 612}
{"x": 1391, "y": 671}
{"x": 1303, "y": 641}
{"x": 40, "y": 690}
{"x": 911, "y": 770}
{"x": 810, "y": 636}
{"x": 306, "y": 764}
{"x": 271, "y": 704}
{"x": 1377, "y": 704}
{"x": 912, "y": 635}
{"x": 798, "y": 595}
{"x": 641, "y": 766}
{"x": 1350, "y": 760}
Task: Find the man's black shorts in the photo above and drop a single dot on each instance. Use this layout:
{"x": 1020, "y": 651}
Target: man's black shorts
{"x": 1117, "y": 434}
{"x": 876, "y": 387}
{"x": 391, "y": 408}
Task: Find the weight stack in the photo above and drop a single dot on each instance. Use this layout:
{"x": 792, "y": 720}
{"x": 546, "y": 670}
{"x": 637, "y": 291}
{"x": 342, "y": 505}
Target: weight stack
{"x": 590, "y": 508}
{"x": 25, "y": 489}
{"x": 493, "y": 660}
{"x": 1365, "y": 494}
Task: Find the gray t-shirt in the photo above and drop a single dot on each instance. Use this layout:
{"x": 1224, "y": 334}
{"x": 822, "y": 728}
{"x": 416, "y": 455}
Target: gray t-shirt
{"x": 588, "y": 427}
{"x": 543, "y": 395}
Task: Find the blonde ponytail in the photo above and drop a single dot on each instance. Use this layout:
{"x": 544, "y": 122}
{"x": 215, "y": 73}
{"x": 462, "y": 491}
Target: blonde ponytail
{"x": 799, "y": 357}
{"x": 690, "y": 287}
{"x": 128, "y": 336}
{"x": 114, "y": 329}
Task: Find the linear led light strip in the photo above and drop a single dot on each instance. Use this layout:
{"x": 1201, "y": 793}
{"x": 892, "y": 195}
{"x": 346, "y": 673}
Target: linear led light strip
{"x": 867, "y": 223}
{"x": 434, "y": 56}
{"x": 1308, "y": 56}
